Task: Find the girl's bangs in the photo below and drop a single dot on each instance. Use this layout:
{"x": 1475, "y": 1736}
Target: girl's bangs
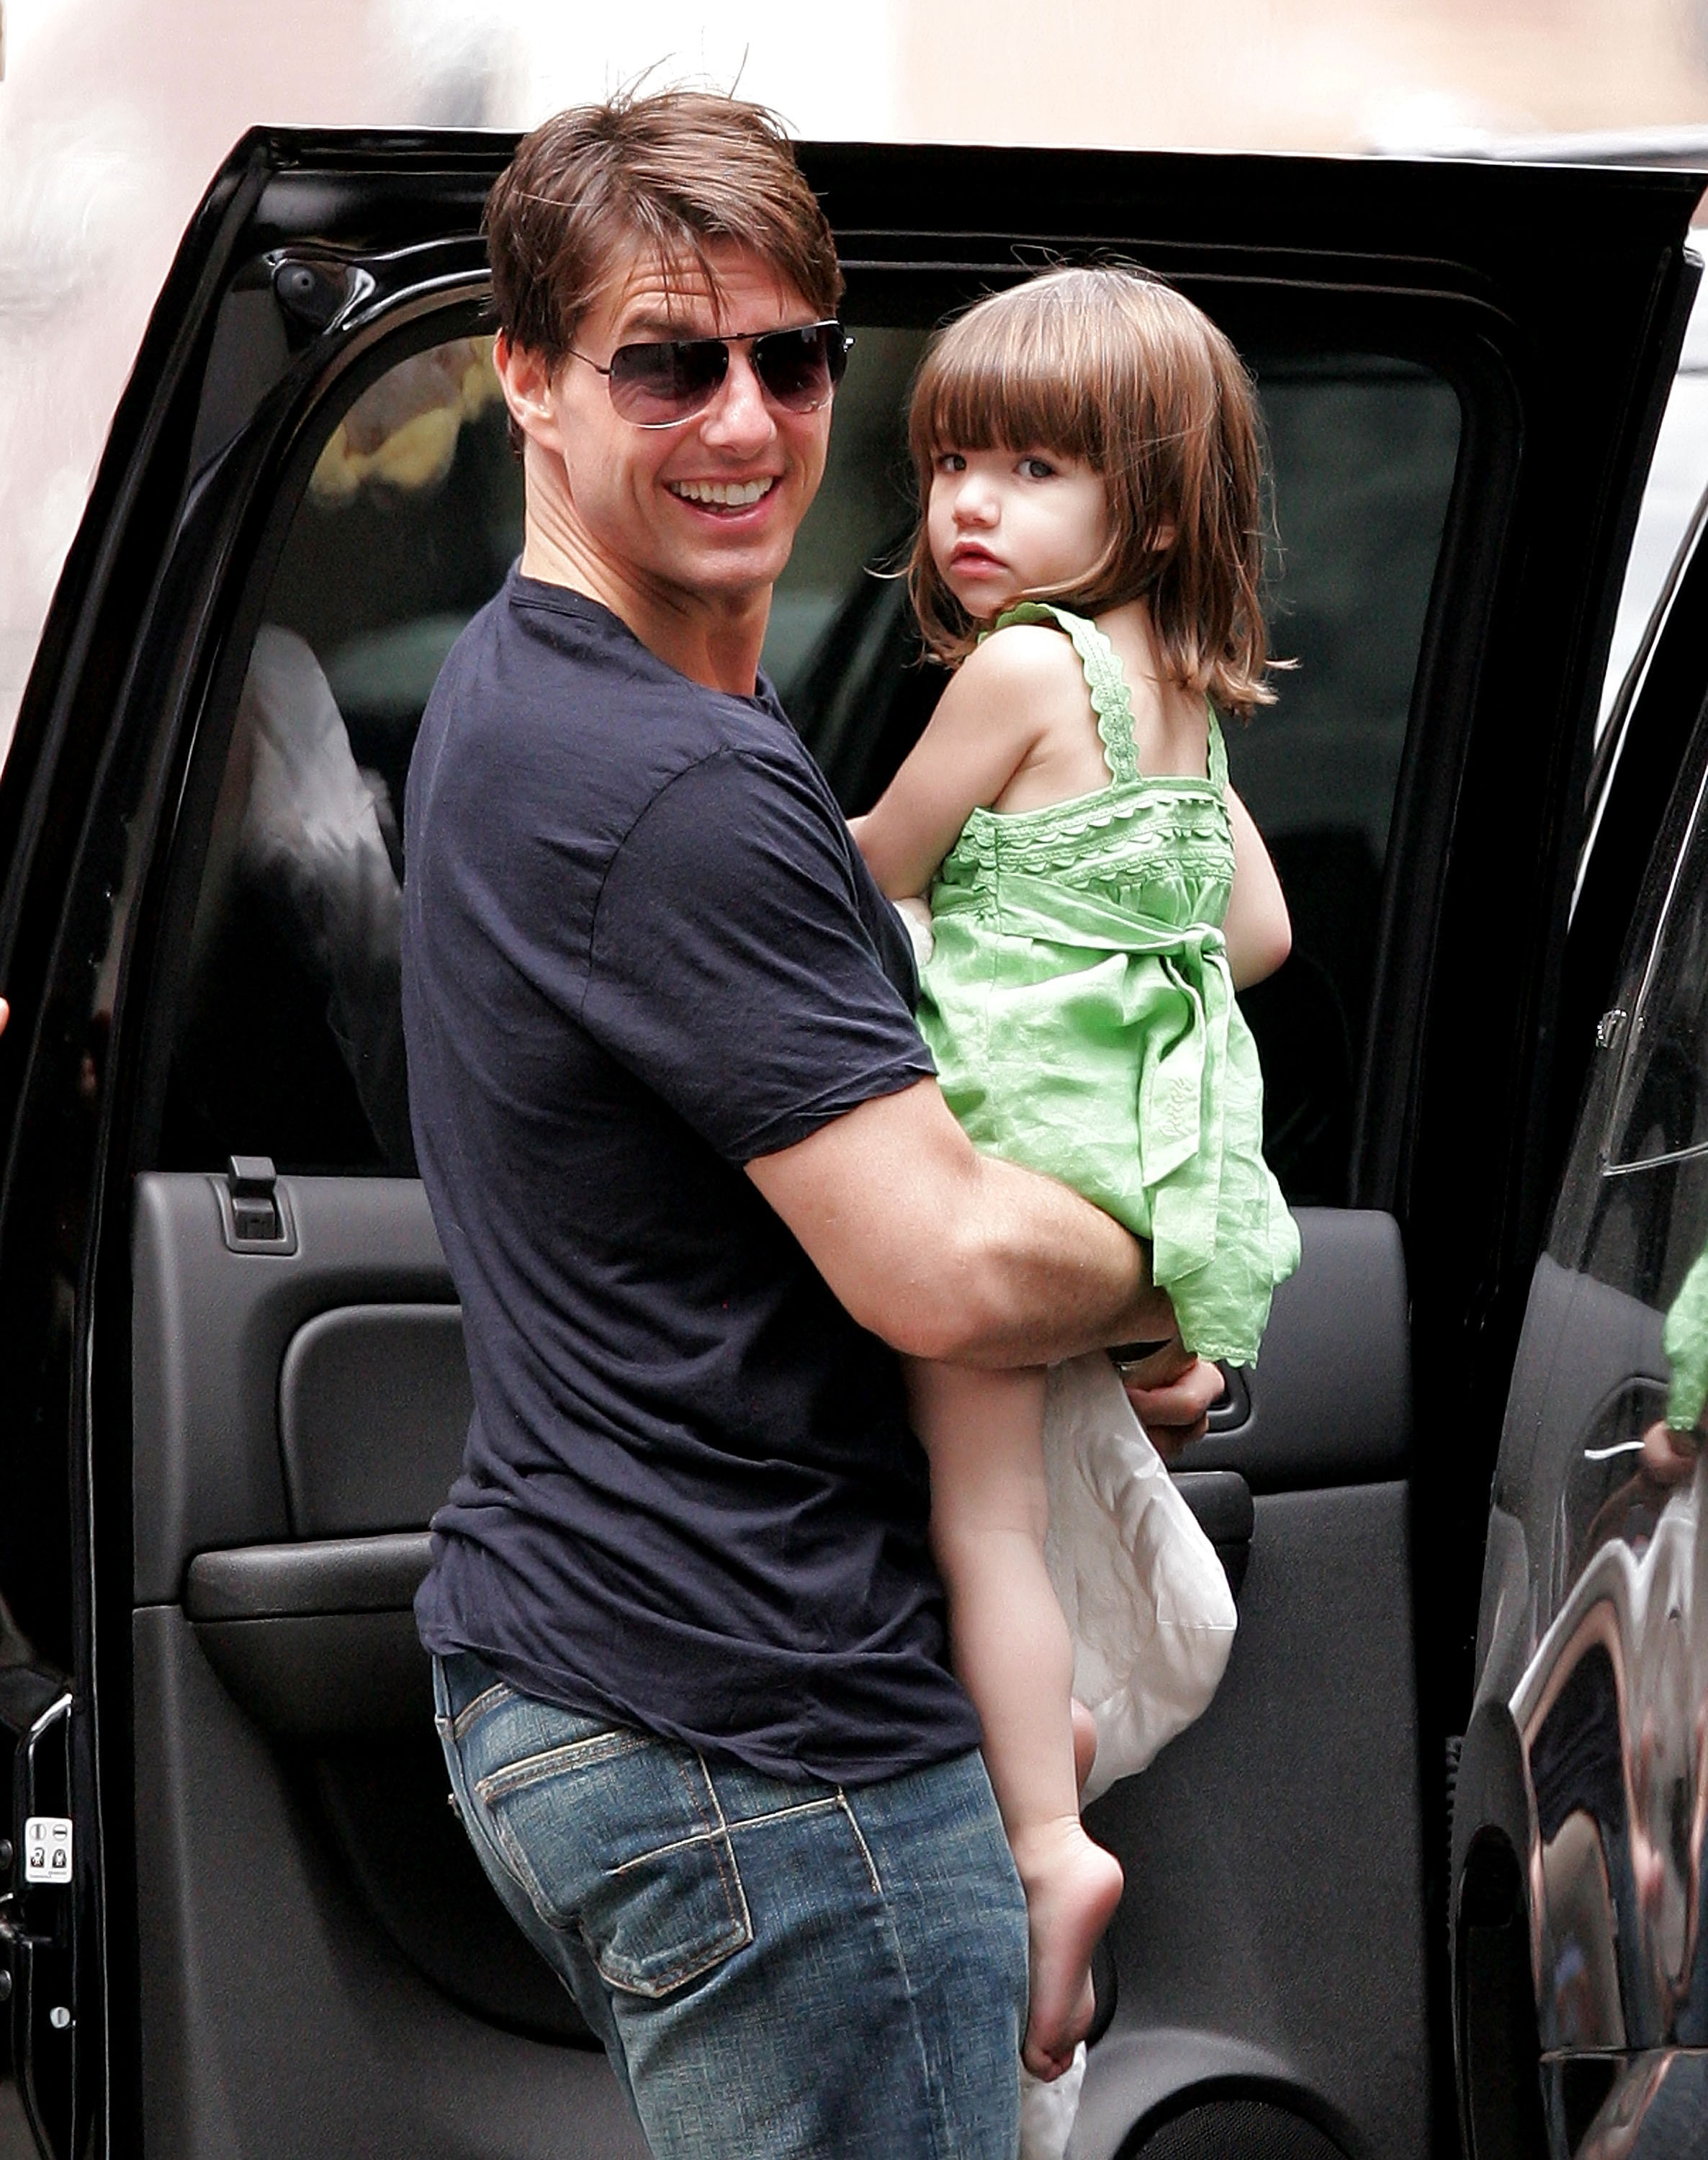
{"x": 1002, "y": 393}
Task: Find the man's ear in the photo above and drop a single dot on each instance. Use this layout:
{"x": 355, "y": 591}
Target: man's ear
{"x": 527, "y": 382}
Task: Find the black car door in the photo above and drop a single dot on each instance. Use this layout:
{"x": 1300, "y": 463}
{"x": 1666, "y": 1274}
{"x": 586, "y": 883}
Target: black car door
{"x": 233, "y": 1384}
{"x": 1580, "y": 1963}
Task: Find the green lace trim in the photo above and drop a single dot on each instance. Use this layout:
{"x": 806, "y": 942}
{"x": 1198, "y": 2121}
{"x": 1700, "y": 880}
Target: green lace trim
{"x": 1107, "y": 685}
{"x": 1146, "y": 831}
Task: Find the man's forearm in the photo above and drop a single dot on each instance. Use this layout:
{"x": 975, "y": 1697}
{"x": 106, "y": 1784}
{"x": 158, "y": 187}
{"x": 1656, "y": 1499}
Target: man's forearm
{"x": 1034, "y": 1273}
{"x": 952, "y": 1254}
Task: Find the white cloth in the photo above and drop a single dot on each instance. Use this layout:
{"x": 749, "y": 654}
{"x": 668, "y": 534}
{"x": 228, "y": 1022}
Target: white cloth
{"x": 1146, "y": 1599}
{"x": 1148, "y": 1608}
{"x": 1047, "y": 2111}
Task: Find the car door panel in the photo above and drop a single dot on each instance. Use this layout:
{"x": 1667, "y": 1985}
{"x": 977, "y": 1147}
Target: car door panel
{"x": 291, "y": 1667}
{"x": 374, "y": 1401}
{"x": 278, "y": 2017}
{"x": 248, "y": 1442}
{"x": 1274, "y": 1861}
{"x": 281, "y": 1405}
{"x": 212, "y": 1335}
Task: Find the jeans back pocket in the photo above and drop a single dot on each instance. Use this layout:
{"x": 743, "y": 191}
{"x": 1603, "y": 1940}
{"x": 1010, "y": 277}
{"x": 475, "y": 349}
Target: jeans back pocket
{"x": 621, "y": 1837}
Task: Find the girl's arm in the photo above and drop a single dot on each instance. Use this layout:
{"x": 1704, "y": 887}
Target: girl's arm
{"x": 999, "y": 704}
{"x": 1258, "y": 932}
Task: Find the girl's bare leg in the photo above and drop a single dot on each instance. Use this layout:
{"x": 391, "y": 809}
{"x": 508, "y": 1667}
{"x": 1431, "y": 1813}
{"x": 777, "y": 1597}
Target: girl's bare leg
{"x": 983, "y": 1432}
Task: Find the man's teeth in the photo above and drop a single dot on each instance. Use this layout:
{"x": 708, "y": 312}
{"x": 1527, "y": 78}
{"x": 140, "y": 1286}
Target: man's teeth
{"x": 733, "y": 495}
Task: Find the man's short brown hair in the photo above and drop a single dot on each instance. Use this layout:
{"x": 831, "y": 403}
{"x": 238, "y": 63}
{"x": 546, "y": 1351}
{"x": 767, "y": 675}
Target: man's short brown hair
{"x": 671, "y": 175}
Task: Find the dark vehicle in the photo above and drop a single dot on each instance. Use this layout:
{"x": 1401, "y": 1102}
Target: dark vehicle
{"x": 238, "y": 1917}
{"x": 1582, "y": 1789}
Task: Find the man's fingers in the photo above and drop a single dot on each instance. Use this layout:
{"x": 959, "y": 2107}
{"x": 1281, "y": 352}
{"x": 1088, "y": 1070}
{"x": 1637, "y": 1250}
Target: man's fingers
{"x": 1669, "y": 1458}
{"x": 1173, "y": 1406}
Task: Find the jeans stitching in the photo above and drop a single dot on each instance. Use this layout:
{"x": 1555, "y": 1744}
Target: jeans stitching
{"x": 529, "y": 1769}
{"x": 715, "y": 1837}
{"x": 937, "y": 2110}
{"x": 502, "y": 1784}
{"x": 461, "y": 1720}
{"x": 726, "y": 1830}
{"x": 723, "y": 1850}
{"x": 866, "y": 1850}
{"x": 529, "y": 1883}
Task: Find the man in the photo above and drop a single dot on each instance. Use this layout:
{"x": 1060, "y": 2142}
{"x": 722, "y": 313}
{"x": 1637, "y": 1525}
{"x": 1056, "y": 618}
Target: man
{"x": 692, "y": 1174}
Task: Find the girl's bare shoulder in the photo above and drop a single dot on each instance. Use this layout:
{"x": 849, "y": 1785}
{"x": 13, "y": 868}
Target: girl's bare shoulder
{"x": 1026, "y": 660}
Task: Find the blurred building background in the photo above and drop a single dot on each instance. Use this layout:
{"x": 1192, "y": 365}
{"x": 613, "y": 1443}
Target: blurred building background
{"x": 114, "y": 113}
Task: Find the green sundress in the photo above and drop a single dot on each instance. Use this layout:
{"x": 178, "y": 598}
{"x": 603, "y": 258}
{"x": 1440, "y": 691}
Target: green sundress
{"x": 1079, "y": 1005}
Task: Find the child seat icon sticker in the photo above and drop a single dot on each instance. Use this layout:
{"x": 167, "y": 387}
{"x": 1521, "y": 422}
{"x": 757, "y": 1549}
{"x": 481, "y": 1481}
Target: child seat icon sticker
{"x": 47, "y": 1848}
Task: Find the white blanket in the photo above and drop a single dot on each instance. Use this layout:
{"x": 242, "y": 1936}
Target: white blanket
{"x": 1148, "y": 1608}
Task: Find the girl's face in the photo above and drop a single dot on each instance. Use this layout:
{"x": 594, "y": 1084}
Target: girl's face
{"x": 1002, "y": 523}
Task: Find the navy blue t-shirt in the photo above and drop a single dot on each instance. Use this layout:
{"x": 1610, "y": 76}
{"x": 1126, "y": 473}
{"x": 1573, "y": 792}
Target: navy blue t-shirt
{"x": 641, "y": 949}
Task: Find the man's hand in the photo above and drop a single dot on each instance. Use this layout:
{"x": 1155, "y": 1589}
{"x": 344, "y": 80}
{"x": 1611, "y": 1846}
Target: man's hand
{"x": 1669, "y": 1457}
{"x": 1172, "y": 1393}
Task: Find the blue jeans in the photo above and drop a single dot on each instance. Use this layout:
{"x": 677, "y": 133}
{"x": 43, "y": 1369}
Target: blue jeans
{"x": 778, "y": 1971}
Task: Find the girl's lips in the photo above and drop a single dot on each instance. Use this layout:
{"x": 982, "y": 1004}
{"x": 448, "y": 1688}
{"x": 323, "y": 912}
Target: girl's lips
{"x": 973, "y": 558}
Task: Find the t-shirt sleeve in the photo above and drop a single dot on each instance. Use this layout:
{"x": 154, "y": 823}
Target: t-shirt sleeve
{"x": 731, "y": 968}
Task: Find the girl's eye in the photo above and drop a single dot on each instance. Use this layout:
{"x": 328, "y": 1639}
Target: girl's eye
{"x": 1037, "y": 468}
{"x": 951, "y": 461}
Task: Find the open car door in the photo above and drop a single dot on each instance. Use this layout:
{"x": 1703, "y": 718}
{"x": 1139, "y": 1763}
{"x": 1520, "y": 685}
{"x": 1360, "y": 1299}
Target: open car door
{"x": 1581, "y": 1960}
{"x": 231, "y": 1364}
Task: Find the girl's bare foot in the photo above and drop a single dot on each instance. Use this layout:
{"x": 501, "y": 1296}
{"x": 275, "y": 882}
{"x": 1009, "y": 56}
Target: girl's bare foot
{"x": 1072, "y": 1888}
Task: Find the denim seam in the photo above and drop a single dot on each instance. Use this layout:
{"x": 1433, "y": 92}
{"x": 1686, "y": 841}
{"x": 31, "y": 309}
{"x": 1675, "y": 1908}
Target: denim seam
{"x": 527, "y": 1880}
{"x": 723, "y": 1852}
{"x": 530, "y": 1769}
{"x": 723, "y": 1830}
{"x": 463, "y": 1719}
{"x": 937, "y": 2110}
{"x": 737, "y": 1916}
{"x": 859, "y": 1838}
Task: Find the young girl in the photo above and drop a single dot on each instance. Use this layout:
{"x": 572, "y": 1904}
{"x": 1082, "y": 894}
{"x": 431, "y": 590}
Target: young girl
{"x": 1087, "y": 447}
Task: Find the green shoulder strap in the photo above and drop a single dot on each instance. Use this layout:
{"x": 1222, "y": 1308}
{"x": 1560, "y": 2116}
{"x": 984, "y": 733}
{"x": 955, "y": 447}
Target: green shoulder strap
{"x": 1104, "y": 680}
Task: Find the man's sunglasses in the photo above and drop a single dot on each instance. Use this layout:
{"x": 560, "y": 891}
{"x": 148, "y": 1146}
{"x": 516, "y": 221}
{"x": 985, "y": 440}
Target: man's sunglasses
{"x": 664, "y": 384}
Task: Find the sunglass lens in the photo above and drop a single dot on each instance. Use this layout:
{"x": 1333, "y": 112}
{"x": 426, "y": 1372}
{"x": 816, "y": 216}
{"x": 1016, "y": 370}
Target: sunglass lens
{"x": 801, "y": 368}
{"x": 657, "y": 385}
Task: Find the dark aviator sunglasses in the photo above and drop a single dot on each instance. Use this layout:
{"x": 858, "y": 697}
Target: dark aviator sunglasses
{"x": 662, "y": 384}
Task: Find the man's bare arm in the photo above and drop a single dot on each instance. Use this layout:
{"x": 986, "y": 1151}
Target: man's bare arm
{"x": 951, "y": 1255}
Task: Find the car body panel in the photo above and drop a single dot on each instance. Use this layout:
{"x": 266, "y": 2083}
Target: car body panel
{"x": 1578, "y": 1823}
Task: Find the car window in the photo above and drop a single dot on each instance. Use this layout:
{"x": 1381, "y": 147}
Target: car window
{"x": 1660, "y": 1105}
{"x": 287, "y": 1042}
{"x": 289, "y": 1039}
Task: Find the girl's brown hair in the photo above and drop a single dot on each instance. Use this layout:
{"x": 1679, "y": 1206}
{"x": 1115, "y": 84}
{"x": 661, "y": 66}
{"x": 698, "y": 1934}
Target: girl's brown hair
{"x": 1110, "y": 366}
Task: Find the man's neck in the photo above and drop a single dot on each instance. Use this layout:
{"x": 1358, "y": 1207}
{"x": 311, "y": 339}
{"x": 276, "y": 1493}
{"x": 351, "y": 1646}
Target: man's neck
{"x": 714, "y": 641}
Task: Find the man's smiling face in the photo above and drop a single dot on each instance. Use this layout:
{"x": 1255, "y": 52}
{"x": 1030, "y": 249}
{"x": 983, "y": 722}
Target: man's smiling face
{"x": 703, "y": 514}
